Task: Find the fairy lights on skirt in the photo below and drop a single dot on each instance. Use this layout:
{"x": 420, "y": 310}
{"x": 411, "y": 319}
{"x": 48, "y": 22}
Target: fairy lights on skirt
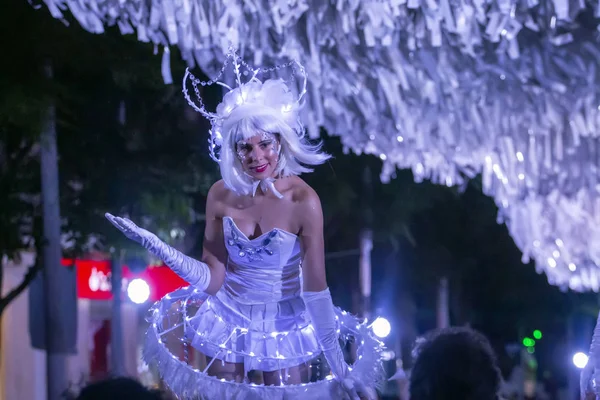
{"x": 156, "y": 352}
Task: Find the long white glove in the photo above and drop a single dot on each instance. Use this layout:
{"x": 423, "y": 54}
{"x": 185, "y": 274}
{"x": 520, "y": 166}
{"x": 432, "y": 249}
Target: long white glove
{"x": 195, "y": 272}
{"x": 594, "y": 357}
{"x": 320, "y": 308}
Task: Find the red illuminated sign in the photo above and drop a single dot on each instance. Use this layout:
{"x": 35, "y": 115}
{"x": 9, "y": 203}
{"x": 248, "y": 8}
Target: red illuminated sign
{"x": 94, "y": 279}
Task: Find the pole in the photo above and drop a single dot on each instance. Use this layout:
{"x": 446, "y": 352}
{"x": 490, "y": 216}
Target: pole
{"x": 366, "y": 244}
{"x": 443, "y": 312}
{"x": 116, "y": 331}
{"x": 56, "y": 317}
{"x": 116, "y": 327}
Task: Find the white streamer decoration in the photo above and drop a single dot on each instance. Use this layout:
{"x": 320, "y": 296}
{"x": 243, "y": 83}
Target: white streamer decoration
{"x": 447, "y": 88}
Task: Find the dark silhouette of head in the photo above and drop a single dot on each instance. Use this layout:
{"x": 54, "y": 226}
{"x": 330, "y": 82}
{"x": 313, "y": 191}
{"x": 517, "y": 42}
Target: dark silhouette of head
{"x": 117, "y": 389}
{"x": 454, "y": 364}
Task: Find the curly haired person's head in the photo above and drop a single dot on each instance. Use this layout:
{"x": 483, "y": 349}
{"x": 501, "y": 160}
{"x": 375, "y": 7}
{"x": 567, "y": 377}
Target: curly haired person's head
{"x": 118, "y": 389}
{"x": 452, "y": 364}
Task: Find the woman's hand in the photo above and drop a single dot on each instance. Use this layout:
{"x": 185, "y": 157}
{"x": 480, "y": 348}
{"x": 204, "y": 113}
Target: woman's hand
{"x": 130, "y": 230}
{"x": 196, "y": 273}
{"x": 356, "y": 390}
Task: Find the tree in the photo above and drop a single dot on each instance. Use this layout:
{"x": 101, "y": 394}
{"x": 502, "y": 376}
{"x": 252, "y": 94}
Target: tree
{"x": 21, "y": 113}
{"x": 19, "y": 208}
{"x": 126, "y": 141}
{"x": 125, "y": 145}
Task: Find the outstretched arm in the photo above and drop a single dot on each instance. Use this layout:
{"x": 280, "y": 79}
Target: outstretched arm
{"x": 206, "y": 275}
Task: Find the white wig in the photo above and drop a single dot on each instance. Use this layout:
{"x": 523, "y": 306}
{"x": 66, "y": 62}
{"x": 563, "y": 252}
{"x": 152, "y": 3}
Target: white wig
{"x": 265, "y": 108}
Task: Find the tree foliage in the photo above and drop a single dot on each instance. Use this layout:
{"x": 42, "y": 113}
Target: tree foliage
{"x": 126, "y": 142}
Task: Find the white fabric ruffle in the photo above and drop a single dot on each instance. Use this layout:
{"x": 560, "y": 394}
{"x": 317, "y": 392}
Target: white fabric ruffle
{"x": 265, "y": 337}
{"x": 192, "y": 384}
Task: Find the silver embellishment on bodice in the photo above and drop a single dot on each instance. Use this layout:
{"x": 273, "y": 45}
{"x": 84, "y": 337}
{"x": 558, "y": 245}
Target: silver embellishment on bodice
{"x": 262, "y": 270}
{"x": 248, "y": 250}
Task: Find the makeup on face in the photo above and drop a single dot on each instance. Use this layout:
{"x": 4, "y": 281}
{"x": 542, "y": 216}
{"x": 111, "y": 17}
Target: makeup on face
{"x": 259, "y": 154}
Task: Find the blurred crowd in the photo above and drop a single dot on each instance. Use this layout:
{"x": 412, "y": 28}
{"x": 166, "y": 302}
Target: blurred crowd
{"x": 449, "y": 364}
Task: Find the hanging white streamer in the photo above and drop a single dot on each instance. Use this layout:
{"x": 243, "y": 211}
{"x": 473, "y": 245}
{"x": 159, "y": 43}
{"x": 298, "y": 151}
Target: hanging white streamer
{"x": 446, "y": 88}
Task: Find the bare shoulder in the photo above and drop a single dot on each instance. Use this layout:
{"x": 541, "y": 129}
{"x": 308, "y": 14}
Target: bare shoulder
{"x": 217, "y": 197}
{"x": 219, "y": 192}
{"x": 301, "y": 191}
{"x": 305, "y": 197}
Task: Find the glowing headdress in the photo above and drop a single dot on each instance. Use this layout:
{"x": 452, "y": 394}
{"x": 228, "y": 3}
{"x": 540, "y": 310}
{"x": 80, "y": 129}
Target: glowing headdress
{"x": 251, "y": 96}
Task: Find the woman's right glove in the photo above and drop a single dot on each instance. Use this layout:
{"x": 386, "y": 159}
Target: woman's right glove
{"x": 195, "y": 272}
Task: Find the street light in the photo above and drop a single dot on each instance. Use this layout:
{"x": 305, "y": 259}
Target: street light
{"x": 381, "y": 327}
{"x": 138, "y": 291}
{"x": 580, "y": 360}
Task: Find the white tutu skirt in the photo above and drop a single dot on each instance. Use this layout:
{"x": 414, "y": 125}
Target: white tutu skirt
{"x": 265, "y": 337}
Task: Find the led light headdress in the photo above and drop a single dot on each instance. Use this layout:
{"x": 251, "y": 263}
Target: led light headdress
{"x": 268, "y": 97}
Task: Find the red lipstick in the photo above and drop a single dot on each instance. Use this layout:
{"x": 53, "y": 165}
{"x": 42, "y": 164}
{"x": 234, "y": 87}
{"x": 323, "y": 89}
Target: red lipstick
{"x": 261, "y": 168}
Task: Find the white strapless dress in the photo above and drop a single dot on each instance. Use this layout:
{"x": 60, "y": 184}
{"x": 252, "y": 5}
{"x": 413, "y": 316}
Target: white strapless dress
{"x": 258, "y": 316}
